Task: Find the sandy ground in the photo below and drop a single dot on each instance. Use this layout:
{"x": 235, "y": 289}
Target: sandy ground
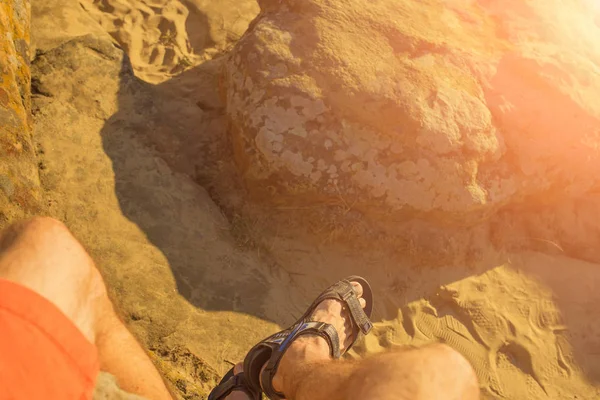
{"x": 164, "y": 37}
{"x": 199, "y": 284}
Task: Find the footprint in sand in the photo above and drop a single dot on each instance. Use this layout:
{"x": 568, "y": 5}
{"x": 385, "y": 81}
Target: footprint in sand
{"x": 165, "y": 37}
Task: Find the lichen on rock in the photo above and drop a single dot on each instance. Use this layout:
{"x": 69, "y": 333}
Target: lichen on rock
{"x": 19, "y": 181}
{"x": 427, "y": 107}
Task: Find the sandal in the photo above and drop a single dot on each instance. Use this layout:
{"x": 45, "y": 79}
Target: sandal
{"x": 230, "y": 383}
{"x": 270, "y": 350}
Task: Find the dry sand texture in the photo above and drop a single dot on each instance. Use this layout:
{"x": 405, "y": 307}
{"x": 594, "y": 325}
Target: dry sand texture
{"x": 133, "y": 153}
{"x": 164, "y": 37}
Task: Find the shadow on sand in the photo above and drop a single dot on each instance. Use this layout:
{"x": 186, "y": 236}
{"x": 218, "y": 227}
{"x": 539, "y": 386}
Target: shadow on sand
{"x": 184, "y": 126}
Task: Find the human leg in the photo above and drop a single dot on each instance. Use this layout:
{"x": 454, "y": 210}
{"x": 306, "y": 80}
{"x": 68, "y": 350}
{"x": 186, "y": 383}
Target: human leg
{"x": 432, "y": 372}
{"x": 43, "y": 256}
{"x": 307, "y": 370}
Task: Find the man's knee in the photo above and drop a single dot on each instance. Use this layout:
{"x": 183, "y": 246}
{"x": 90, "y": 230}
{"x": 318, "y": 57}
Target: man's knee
{"x": 446, "y": 356}
{"x": 46, "y": 243}
{"x": 37, "y": 233}
{"x": 433, "y": 371}
{"x": 43, "y": 222}
{"x": 431, "y": 359}
{"x": 53, "y": 239}
{"x": 41, "y": 251}
{"x": 43, "y": 255}
{"x": 44, "y": 231}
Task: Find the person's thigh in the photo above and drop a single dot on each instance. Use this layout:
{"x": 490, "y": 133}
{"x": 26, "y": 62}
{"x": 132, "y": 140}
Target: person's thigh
{"x": 42, "y": 255}
{"x": 433, "y": 372}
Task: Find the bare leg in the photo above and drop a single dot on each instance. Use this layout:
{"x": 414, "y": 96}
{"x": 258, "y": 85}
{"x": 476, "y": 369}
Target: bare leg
{"x": 41, "y": 254}
{"x": 433, "y": 372}
{"x": 307, "y": 372}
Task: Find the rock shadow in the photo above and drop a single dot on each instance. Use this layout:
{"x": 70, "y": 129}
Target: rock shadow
{"x": 156, "y": 141}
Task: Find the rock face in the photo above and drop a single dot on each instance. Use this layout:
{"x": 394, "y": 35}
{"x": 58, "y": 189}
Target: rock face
{"x": 442, "y": 108}
{"x": 19, "y": 181}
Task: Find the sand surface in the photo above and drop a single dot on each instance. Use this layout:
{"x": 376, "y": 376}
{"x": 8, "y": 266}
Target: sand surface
{"x": 127, "y": 164}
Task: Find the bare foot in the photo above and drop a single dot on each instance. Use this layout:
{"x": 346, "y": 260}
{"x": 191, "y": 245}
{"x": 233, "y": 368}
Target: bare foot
{"x": 310, "y": 348}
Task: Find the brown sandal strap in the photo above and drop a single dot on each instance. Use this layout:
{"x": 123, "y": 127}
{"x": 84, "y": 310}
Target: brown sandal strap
{"x": 231, "y": 383}
{"x": 344, "y": 292}
{"x": 269, "y": 351}
{"x": 321, "y": 329}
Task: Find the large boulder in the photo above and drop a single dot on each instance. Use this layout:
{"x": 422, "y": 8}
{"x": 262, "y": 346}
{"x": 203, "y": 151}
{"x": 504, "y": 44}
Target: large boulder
{"x": 19, "y": 180}
{"x": 445, "y": 109}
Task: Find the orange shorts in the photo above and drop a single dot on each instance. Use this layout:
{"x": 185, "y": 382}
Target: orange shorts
{"x": 42, "y": 353}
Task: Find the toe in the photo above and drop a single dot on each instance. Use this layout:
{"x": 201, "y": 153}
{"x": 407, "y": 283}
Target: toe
{"x": 358, "y": 289}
